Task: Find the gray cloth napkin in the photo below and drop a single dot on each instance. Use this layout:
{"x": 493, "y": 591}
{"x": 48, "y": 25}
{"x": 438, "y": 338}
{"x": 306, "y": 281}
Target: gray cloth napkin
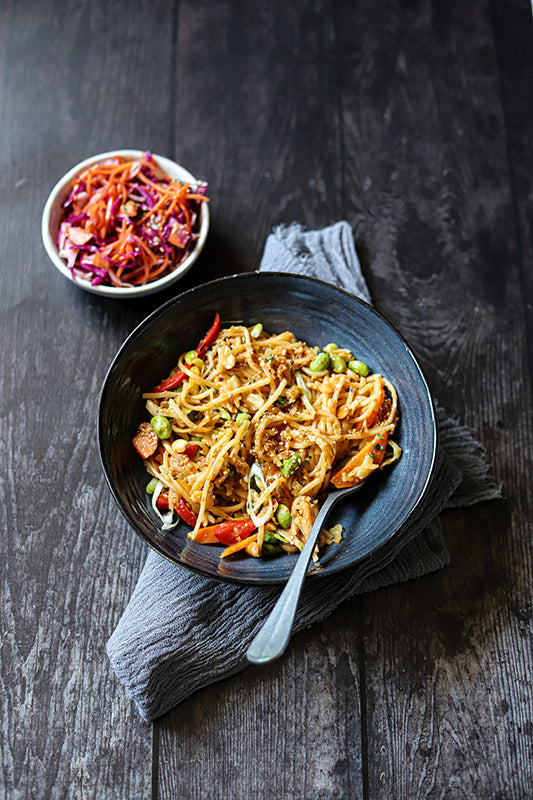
{"x": 181, "y": 631}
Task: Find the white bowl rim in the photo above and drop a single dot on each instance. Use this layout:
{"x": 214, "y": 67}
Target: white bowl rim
{"x": 169, "y": 166}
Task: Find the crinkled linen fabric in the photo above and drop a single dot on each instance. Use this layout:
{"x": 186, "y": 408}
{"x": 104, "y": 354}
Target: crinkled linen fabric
{"x": 181, "y": 631}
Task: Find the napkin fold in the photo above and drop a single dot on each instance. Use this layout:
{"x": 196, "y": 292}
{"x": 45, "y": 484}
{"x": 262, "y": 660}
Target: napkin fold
{"x": 181, "y": 631}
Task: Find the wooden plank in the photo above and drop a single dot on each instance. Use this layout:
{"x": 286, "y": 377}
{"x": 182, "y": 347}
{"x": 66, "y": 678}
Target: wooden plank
{"x": 77, "y": 80}
{"x": 512, "y": 25}
{"x": 448, "y": 663}
{"x": 412, "y": 123}
{"x": 264, "y": 132}
{"x": 289, "y": 730}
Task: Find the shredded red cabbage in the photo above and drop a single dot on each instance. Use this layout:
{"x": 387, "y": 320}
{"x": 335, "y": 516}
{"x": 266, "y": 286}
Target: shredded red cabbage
{"x": 127, "y": 223}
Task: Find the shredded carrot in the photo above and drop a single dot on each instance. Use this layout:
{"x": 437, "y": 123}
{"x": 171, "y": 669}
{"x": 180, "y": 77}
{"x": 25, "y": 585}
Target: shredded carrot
{"x": 234, "y": 548}
{"x": 376, "y": 448}
{"x": 127, "y": 223}
{"x": 206, "y": 535}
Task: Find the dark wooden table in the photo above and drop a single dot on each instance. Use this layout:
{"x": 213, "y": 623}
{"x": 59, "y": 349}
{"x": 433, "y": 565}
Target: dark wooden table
{"x": 413, "y": 121}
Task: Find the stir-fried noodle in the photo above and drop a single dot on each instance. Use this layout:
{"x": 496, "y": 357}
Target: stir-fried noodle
{"x": 255, "y": 429}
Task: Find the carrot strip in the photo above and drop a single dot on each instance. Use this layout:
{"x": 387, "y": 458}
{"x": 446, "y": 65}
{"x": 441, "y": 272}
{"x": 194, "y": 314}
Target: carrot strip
{"x": 234, "y": 548}
{"x": 145, "y": 440}
{"x": 344, "y": 476}
{"x": 109, "y": 240}
{"x": 206, "y": 535}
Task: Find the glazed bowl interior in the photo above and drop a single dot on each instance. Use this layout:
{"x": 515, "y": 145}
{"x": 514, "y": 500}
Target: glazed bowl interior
{"x": 316, "y": 313}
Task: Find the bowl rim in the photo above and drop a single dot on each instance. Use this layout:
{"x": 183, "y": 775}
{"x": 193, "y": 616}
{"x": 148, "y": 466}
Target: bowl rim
{"x": 59, "y": 190}
{"x": 237, "y": 579}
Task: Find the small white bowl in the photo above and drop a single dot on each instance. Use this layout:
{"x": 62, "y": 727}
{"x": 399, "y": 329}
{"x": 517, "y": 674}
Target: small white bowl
{"x": 53, "y": 213}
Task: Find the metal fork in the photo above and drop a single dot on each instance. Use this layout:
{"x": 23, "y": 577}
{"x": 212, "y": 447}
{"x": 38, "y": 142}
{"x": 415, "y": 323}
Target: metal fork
{"x": 274, "y": 636}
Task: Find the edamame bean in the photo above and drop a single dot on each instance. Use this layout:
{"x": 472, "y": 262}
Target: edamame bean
{"x": 161, "y": 426}
{"x": 359, "y": 368}
{"x": 270, "y": 549}
{"x": 190, "y": 356}
{"x": 290, "y": 465}
{"x": 320, "y": 362}
{"x": 338, "y": 364}
{"x": 150, "y": 489}
{"x": 256, "y": 331}
{"x": 283, "y": 516}
{"x": 241, "y": 417}
{"x": 271, "y": 546}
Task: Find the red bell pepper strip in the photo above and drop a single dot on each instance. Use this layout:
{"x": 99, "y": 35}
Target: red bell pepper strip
{"x": 190, "y": 450}
{"x": 209, "y": 338}
{"x": 183, "y": 510}
{"x": 170, "y": 383}
{"x": 234, "y": 530}
{"x": 177, "y": 379}
{"x": 162, "y": 501}
{"x": 230, "y": 531}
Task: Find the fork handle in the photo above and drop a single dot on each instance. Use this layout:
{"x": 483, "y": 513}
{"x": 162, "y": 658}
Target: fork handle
{"x": 274, "y": 636}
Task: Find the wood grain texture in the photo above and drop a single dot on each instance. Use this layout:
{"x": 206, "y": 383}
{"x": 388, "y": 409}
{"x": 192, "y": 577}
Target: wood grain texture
{"x": 269, "y": 123}
{"x": 437, "y": 223}
{"x": 68, "y": 561}
{"x": 512, "y": 21}
{"x": 306, "y": 704}
{"x": 413, "y": 122}
{"x": 265, "y": 127}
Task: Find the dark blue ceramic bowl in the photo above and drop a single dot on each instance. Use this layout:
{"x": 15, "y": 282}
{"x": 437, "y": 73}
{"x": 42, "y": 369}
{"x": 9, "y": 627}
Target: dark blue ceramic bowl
{"x": 317, "y": 313}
